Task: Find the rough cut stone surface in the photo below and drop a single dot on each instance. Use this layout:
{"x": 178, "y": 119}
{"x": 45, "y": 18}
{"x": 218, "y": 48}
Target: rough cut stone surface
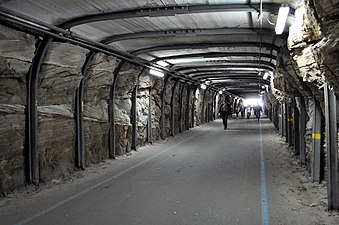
{"x": 148, "y": 86}
{"x": 16, "y": 54}
{"x": 58, "y": 80}
{"x": 97, "y": 86}
{"x": 126, "y": 82}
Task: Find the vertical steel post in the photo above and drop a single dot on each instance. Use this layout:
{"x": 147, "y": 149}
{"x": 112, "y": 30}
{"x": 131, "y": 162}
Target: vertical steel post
{"x": 289, "y": 123}
{"x": 80, "y": 156}
{"x": 149, "y": 118}
{"x": 111, "y": 112}
{"x": 302, "y": 131}
{"x": 296, "y": 116}
{"x": 32, "y": 111}
{"x": 202, "y": 120}
{"x": 281, "y": 128}
{"x": 332, "y": 148}
{"x": 286, "y": 119}
{"x": 188, "y": 96}
{"x": 316, "y": 141}
{"x": 162, "y": 119}
{"x": 172, "y": 109}
{"x": 181, "y": 107}
{"x": 134, "y": 115}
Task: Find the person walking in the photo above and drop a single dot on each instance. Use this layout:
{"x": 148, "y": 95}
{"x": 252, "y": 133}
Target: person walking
{"x": 224, "y": 111}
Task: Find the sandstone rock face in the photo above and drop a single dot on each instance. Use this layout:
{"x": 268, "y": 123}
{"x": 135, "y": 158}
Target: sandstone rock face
{"x": 149, "y": 87}
{"x": 167, "y": 109}
{"x": 16, "y": 54}
{"x": 126, "y": 81}
{"x": 97, "y": 86}
{"x": 198, "y": 105}
{"x": 58, "y": 80}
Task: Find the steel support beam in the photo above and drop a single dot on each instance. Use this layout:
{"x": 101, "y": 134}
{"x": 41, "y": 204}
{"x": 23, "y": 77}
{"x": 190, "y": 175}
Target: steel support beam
{"x": 187, "y": 112}
{"x": 268, "y": 46}
{"x": 202, "y": 120}
{"x": 172, "y": 108}
{"x": 32, "y": 111}
{"x": 289, "y": 123}
{"x": 181, "y": 107}
{"x": 149, "y": 118}
{"x": 285, "y": 120}
{"x": 111, "y": 112}
{"x": 316, "y": 141}
{"x": 172, "y": 11}
{"x": 208, "y": 68}
{"x": 162, "y": 120}
{"x": 296, "y": 117}
{"x": 332, "y": 147}
{"x": 216, "y": 55}
{"x": 80, "y": 156}
{"x": 302, "y": 131}
{"x": 281, "y": 121}
{"x": 134, "y": 115}
{"x": 231, "y": 62}
{"x": 194, "y": 33}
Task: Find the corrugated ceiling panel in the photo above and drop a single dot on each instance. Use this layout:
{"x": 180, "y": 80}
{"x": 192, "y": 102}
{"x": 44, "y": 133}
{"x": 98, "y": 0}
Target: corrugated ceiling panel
{"x": 101, "y": 30}
{"x": 57, "y": 11}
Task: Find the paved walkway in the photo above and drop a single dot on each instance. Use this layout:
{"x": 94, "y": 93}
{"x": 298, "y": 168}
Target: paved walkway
{"x": 205, "y": 176}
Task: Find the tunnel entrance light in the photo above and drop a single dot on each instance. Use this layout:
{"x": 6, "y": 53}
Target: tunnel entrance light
{"x": 282, "y": 18}
{"x": 203, "y": 86}
{"x": 156, "y": 73}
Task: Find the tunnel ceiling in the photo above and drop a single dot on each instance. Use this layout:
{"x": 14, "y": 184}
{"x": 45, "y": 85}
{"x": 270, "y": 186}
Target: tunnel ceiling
{"x": 219, "y": 41}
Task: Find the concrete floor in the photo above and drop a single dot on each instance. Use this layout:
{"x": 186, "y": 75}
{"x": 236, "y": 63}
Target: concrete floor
{"x": 206, "y": 176}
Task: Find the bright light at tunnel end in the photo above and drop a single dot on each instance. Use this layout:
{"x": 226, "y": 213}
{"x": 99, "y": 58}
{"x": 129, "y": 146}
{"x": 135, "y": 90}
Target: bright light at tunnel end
{"x": 282, "y": 18}
{"x": 253, "y": 102}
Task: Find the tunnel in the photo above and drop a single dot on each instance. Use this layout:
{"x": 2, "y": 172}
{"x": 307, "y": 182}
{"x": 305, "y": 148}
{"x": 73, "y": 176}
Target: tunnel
{"x": 111, "y": 87}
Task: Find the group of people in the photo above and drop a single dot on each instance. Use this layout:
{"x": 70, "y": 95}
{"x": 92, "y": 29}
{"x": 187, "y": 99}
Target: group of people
{"x": 225, "y": 111}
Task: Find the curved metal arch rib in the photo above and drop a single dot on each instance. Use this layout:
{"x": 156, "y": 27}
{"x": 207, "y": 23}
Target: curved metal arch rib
{"x": 193, "y": 33}
{"x": 217, "y": 54}
{"x": 171, "y": 11}
{"x": 204, "y": 46}
{"x": 227, "y": 67}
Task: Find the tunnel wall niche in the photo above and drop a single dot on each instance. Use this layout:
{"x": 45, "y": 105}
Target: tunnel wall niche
{"x": 97, "y": 86}
{"x": 59, "y": 78}
{"x": 16, "y": 54}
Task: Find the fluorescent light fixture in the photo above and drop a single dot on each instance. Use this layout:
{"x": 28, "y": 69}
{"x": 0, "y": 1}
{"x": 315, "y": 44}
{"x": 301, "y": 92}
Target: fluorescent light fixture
{"x": 282, "y": 18}
{"x": 156, "y": 73}
{"x": 162, "y": 63}
{"x": 265, "y": 76}
{"x": 203, "y": 86}
{"x": 220, "y": 92}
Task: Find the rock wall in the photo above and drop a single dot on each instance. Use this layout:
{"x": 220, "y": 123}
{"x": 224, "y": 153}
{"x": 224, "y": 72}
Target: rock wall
{"x": 311, "y": 58}
{"x": 59, "y": 78}
{"x": 148, "y": 87}
{"x": 97, "y": 86}
{"x": 16, "y": 53}
{"x": 126, "y": 81}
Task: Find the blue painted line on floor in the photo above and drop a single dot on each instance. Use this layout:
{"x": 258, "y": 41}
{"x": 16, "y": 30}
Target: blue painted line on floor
{"x": 264, "y": 205}
{"x": 90, "y": 188}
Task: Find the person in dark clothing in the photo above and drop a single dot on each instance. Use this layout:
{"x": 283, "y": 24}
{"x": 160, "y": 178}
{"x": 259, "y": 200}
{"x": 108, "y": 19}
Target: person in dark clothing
{"x": 257, "y": 111}
{"x": 224, "y": 111}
